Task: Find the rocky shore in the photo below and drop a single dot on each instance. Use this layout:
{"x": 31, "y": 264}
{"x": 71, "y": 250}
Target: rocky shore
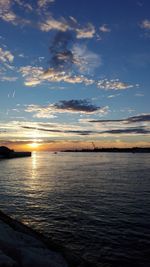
{"x": 21, "y": 246}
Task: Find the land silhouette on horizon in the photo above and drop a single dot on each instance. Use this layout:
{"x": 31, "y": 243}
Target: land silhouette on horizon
{"x": 113, "y": 149}
{"x": 5, "y": 152}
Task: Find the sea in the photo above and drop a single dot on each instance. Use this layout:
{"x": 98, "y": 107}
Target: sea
{"x": 96, "y": 205}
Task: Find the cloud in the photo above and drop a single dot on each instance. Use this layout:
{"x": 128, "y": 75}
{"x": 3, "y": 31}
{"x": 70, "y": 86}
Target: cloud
{"x": 46, "y": 131}
{"x": 85, "y": 32}
{"x": 112, "y": 96}
{"x": 6, "y": 56}
{"x": 7, "y": 14}
{"x": 139, "y": 118}
{"x": 133, "y": 119}
{"x": 65, "y": 55}
{"x": 140, "y": 130}
{"x": 6, "y": 60}
{"x": 67, "y": 63}
{"x": 56, "y": 76}
{"x": 78, "y": 132}
{"x": 52, "y": 24}
{"x": 145, "y": 24}
{"x": 135, "y": 125}
{"x": 71, "y": 106}
{"x": 84, "y": 59}
{"x": 31, "y": 74}
{"x": 41, "y": 130}
{"x": 104, "y": 28}
{"x": 37, "y": 75}
{"x": 82, "y": 106}
{"x": 44, "y": 3}
{"x": 44, "y": 20}
{"x": 113, "y": 85}
{"x": 41, "y": 111}
{"x": 24, "y": 5}
{"x": 60, "y": 51}
{"x": 8, "y": 78}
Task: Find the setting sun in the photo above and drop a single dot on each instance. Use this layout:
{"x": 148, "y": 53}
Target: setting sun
{"x": 34, "y": 145}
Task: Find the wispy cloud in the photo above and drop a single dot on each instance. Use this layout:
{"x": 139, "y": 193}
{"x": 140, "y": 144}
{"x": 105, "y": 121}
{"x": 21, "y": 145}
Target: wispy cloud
{"x": 67, "y": 62}
{"x": 104, "y": 28}
{"x": 8, "y": 14}
{"x": 43, "y": 19}
{"x": 126, "y": 131}
{"x": 41, "y": 111}
{"x": 113, "y": 96}
{"x": 32, "y": 75}
{"x": 114, "y": 84}
{"x": 145, "y": 24}
{"x": 135, "y": 125}
{"x": 76, "y": 132}
{"x": 8, "y": 78}
{"x": 52, "y": 75}
{"x": 86, "y": 60}
{"x": 85, "y": 32}
{"x": 6, "y": 56}
{"x": 66, "y": 54}
{"x": 24, "y": 5}
{"x": 133, "y": 119}
{"x": 61, "y": 24}
{"x": 40, "y": 131}
{"x": 44, "y": 3}
{"x": 53, "y": 24}
{"x": 36, "y": 75}
{"x": 48, "y": 131}
{"x": 6, "y": 63}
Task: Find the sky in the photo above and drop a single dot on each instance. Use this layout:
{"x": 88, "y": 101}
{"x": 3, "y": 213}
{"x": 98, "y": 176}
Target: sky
{"x": 73, "y": 73}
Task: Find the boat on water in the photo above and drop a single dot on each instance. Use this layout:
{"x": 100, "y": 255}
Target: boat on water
{"x": 6, "y": 153}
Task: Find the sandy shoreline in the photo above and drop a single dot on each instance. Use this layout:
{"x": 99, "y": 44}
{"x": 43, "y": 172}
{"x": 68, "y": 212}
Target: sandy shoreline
{"x": 22, "y": 246}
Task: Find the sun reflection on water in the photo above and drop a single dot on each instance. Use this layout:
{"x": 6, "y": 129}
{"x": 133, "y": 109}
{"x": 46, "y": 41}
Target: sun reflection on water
{"x": 34, "y": 165}
{"x": 34, "y": 160}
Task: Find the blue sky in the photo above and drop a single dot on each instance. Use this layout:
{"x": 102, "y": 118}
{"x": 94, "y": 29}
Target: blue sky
{"x": 74, "y": 72}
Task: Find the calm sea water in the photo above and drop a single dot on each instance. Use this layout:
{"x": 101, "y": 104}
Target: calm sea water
{"x": 96, "y": 204}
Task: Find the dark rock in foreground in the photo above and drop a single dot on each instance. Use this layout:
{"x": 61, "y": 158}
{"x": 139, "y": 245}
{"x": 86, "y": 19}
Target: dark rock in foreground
{"x": 21, "y": 246}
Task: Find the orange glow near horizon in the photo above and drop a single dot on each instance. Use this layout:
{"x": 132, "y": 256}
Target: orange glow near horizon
{"x": 62, "y": 145}
{"x": 35, "y": 146}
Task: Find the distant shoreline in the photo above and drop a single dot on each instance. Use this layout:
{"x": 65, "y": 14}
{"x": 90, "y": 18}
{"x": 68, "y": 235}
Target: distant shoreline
{"x": 7, "y": 153}
{"x": 112, "y": 150}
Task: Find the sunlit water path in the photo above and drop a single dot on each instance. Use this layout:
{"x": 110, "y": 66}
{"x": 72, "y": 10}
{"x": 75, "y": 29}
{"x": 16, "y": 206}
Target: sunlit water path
{"x": 96, "y": 204}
